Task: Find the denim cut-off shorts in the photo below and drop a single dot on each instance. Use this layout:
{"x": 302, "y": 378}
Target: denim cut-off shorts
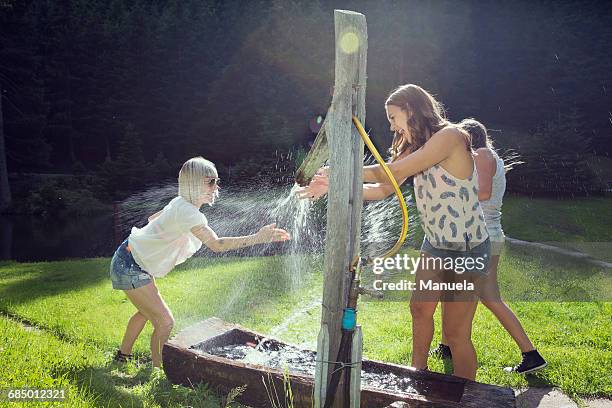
{"x": 124, "y": 271}
{"x": 480, "y": 255}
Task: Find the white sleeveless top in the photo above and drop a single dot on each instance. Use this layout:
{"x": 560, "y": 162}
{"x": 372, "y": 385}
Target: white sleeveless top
{"x": 492, "y": 207}
{"x": 450, "y": 212}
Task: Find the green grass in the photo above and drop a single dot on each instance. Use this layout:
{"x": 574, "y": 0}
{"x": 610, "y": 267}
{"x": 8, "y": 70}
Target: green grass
{"x": 580, "y": 224}
{"x": 564, "y": 304}
{"x": 537, "y": 219}
{"x": 81, "y": 321}
{"x": 35, "y": 359}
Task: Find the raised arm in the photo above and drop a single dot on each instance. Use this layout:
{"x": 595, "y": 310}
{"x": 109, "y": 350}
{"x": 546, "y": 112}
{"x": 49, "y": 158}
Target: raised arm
{"x": 266, "y": 234}
{"x": 438, "y": 148}
{"x": 485, "y": 166}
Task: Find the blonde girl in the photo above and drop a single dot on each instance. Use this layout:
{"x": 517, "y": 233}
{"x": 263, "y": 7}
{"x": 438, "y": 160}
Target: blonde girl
{"x": 170, "y": 237}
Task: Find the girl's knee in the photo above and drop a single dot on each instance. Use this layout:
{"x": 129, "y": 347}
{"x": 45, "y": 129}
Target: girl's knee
{"x": 140, "y": 315}
{"x": 421, "y": 310}
{"x": 165, "y": 323}
{"x": 169, "y": 322}
{"x": 457, "y": 333}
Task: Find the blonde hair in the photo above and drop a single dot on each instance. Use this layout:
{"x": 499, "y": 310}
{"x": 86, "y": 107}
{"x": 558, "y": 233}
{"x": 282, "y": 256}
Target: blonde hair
{"x": 426, "y": 116}
{"x": 191, "y": 175}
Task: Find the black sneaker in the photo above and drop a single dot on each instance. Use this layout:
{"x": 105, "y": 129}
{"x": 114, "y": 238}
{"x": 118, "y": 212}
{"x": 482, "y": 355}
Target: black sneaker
{"x": 123, "y": 358}
{"x": 532, "y": 361}
{"x": 442, "y": 352}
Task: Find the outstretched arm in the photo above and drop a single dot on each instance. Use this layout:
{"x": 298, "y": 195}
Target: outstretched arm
{"x": 320, "y": 185}
{"x": 266, "y": 234}
{"x": 438, "y": 148}
{"x": 377, "y": 191}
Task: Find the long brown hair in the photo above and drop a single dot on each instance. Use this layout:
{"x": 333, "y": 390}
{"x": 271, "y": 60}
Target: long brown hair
{"x": 478, "y": 133}
{"x": 426, "y": 116}
{"x": 481, "y": 138}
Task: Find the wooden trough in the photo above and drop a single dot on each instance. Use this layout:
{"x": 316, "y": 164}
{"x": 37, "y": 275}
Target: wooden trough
{"x": 184, "y": 365}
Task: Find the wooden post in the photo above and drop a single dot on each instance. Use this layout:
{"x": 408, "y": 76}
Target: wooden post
{"x": 356, "y": 357}
{"x": 318, "y": 154}
{"x": 345, "y": 178}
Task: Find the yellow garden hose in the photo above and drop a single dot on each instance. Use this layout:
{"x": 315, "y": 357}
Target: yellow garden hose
{"x": 398, "y": 192}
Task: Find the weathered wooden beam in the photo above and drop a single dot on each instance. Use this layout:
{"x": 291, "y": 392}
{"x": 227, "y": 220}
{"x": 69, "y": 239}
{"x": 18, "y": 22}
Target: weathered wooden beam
{"x": 321, "y": 368}
{"x": 315, "y": 158}
{"x": 187, "y": 361}
{"x": 356, "y": 357}
{"x": 345, "y": 177}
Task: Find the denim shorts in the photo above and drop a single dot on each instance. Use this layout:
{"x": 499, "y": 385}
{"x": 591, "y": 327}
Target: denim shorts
{"x": 475, "y": 260}
{"x": 124, "y": 271}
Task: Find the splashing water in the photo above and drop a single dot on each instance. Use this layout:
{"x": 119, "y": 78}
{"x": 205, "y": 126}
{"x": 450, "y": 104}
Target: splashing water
{"x": 282, "y": 357}
{"x": 242, "y": 211}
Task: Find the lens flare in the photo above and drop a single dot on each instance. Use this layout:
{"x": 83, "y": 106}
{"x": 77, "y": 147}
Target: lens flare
{"x": 349, "y": 42}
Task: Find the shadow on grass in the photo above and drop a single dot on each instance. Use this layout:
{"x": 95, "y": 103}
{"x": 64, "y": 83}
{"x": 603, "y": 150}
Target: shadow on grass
{"x": 533, "y": 395}
{"x": 31, "y": 281}
{"x": 536, "y": 381}
{"x": 129, "y": 385}
{"x": 110, "y": 385}
{"x": 448, "y": 366}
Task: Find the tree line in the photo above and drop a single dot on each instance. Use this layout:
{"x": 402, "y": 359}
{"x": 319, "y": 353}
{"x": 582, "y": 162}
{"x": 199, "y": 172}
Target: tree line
{"x": 135, "y": 87}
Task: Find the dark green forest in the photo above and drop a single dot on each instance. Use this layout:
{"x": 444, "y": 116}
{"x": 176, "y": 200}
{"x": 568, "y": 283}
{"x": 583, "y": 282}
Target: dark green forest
{"x": 123, "y": 92}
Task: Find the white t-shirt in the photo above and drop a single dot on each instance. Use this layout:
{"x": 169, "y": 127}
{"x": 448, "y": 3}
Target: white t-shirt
{"x": 167, "y": 240}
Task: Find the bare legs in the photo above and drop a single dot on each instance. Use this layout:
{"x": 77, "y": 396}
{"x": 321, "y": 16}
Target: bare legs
{"x": 422, "y": 307}
{"x": 134, "y": 327}
{"x": 491, "y": 298}
{"x": 151, "y": 306}
{"x": 458, "y": 323}
{"x": 422, "y": 331}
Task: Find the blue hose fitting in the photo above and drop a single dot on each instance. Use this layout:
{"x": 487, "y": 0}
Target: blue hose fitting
{"x": 349, "y": 319}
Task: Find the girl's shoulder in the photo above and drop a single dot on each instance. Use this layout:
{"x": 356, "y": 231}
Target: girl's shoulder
{"x": 451, "y": 129}
{"x": 485, "y": 157}
{"x": 453, "y": 133}
{"x": 486, "y": 152}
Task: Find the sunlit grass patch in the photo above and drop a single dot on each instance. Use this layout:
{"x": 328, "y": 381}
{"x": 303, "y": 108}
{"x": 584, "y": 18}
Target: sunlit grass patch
{"x": 74, "y": 304}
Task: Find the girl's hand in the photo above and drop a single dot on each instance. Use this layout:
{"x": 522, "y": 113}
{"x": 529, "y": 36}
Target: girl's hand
{"x": 318, "y": 187}
{"x": 324, "y": 171}
{"x": 270, "y": 233}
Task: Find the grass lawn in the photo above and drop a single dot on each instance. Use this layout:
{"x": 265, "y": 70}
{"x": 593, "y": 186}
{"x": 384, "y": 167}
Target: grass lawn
{"x": 564, "y": 304}
{"x": 548, "y": 295}
{"x": 580, "y": 224}
{"x": 81, "y": 321}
